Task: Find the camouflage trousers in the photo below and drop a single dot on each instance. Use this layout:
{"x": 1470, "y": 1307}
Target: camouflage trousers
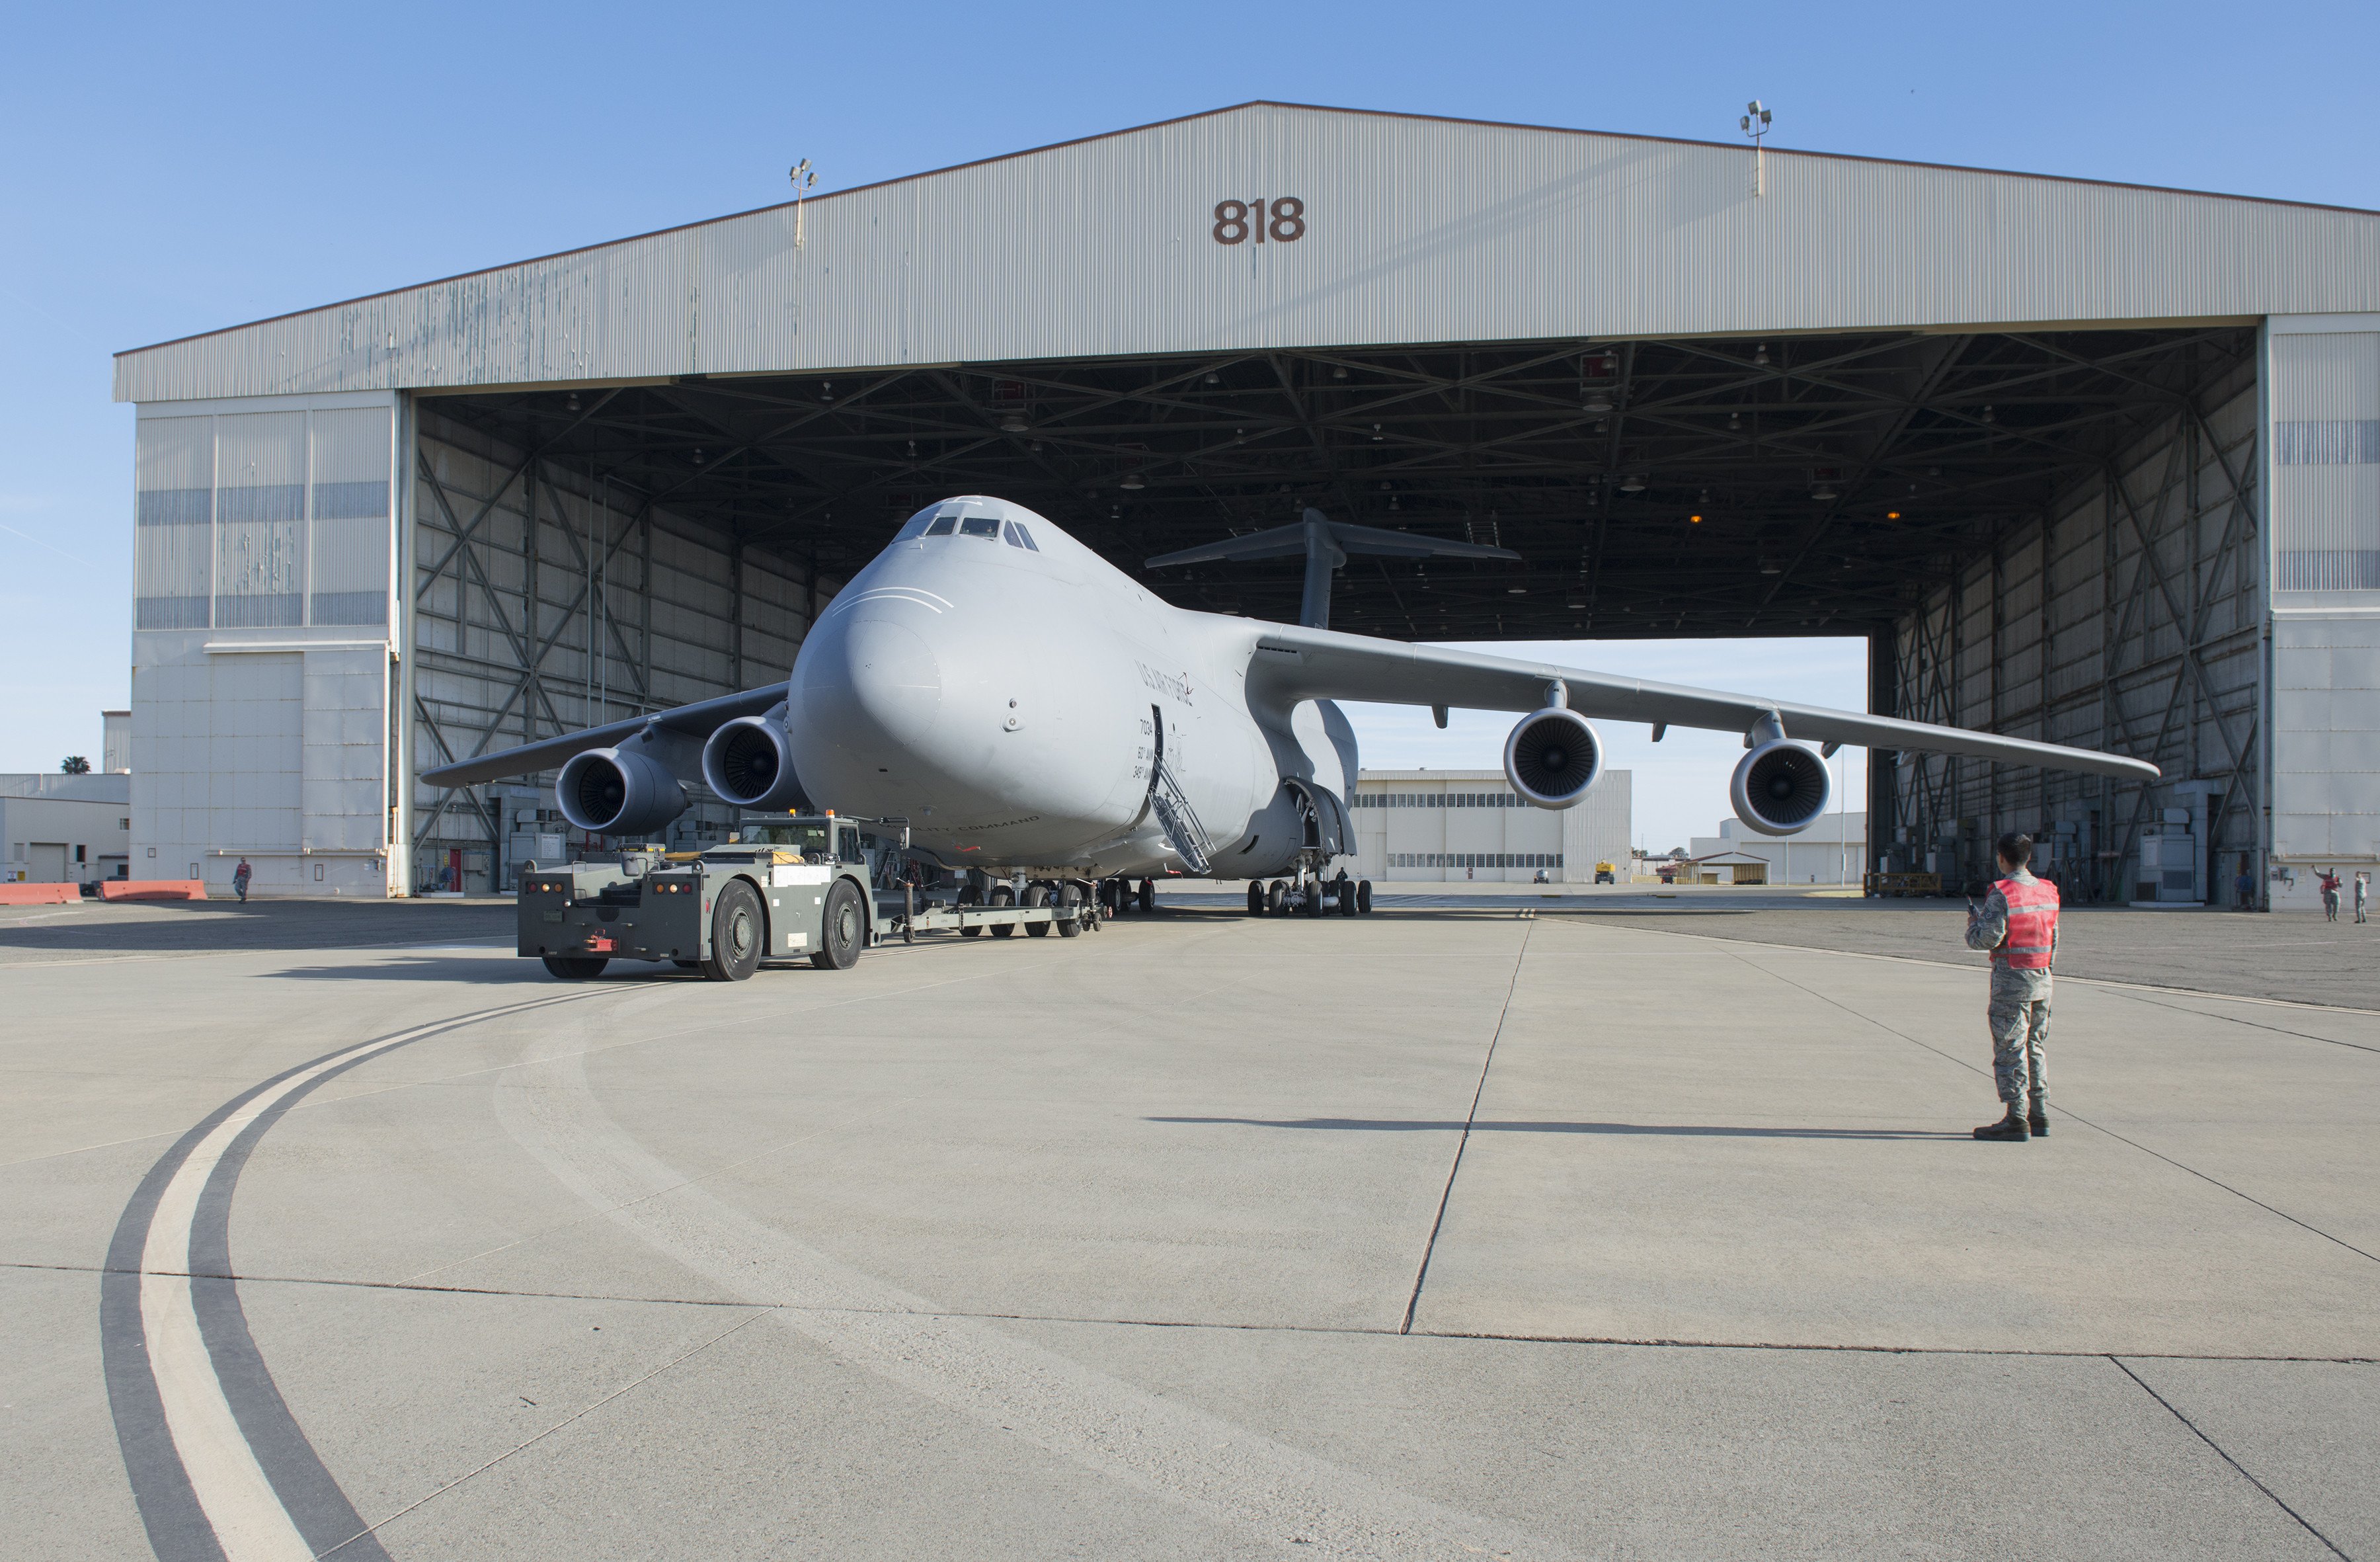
{"x": 2020, "y": 1019}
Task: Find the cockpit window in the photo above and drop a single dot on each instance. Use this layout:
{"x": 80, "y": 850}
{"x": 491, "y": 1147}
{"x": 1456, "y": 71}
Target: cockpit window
{"x": 986, "y": 526}
{"x": 1020, "y": 538}
{"x": 941, "y": 526}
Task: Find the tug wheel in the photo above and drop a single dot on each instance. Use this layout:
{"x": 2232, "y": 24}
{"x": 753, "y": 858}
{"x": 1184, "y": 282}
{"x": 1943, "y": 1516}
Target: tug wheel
{"x": 842, "y": 930}
{"x": 739, "y": 934}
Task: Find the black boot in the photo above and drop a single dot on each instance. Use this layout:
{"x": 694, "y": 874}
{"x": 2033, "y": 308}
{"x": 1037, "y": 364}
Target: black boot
{"x": 2038, "y": 1119}
{"x": 2010, "y": 1127}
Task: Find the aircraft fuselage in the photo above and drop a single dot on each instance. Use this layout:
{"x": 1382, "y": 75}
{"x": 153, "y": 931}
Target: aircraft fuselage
{"x": 1010, "y": 693}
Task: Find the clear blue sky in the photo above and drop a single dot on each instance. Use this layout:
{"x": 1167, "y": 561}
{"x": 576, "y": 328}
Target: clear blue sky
{"x": 177, "y": 169}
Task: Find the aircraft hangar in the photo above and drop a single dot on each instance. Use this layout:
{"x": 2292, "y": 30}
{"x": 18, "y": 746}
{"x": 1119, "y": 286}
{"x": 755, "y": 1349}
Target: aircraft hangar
{"x": 2086, "y": 462}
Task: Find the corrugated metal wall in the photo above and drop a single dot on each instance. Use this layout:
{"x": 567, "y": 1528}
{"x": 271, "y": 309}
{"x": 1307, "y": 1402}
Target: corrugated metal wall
{"x": 2325, "y": 401}
{"x": 606, "y": 607}
{"x": 263, "y": 550}
{"x": 2130, "y": 618}
{"x": 1409, "y": 230}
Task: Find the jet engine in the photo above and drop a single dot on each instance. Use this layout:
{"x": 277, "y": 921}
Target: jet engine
{"x": 619, "y": 791}
{"x": 1552, "y": 757}
{"x": 1779, "y": 787}
{"x": 749, "y": 762}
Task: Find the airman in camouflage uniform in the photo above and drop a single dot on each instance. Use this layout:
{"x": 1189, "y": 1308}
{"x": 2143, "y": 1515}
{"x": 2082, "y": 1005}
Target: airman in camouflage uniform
{"x": 2018, "y": 924}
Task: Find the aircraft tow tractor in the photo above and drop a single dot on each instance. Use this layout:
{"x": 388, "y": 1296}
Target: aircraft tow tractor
{"x": 810, "y": 886}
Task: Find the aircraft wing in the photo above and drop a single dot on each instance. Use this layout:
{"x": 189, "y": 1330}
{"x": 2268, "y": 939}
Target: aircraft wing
{"x": 697, "y": 720}
{"x": 1300, "y": 664}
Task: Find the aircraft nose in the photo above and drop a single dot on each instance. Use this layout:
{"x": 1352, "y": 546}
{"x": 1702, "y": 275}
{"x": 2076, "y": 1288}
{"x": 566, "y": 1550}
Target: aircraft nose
{"x": 886, "y": 679}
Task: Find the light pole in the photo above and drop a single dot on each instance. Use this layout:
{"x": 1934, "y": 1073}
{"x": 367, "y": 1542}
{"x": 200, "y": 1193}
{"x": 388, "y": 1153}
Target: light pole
{"x": 1755, "y": 125}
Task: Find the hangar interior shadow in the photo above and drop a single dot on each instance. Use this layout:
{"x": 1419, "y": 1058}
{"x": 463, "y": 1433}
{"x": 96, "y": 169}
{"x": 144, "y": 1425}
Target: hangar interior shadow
{"x": 1687, "y": 487}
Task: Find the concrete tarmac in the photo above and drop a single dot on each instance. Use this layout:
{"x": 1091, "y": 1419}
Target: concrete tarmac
{"x": 1458, "y": 1230}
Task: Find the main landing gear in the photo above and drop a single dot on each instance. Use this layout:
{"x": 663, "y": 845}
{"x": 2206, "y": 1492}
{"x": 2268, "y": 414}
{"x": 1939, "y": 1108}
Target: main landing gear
{"x": 1310, "y": 896}
{"x": 1119, "y": 896}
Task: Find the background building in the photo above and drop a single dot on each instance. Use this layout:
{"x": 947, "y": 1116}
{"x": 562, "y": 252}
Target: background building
{"x": 2092, "y": 463}
{"x": 1832, "y": 850}
{"x": 1469, "y": 825}
{"x": 67, "y": 829}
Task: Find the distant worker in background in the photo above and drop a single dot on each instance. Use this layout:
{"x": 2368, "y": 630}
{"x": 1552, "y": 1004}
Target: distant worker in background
{"x": 2245, "y": 885}
{"x": 2362, "y": 892}
{"x": 2018, "y": 923}
{"x": 2329, "y": 882}
{"x": 239, "y": 877}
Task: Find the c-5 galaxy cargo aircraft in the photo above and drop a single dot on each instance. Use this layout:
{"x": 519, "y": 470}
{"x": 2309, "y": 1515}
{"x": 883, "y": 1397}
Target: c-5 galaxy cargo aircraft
{"x": 1031, "y": 711}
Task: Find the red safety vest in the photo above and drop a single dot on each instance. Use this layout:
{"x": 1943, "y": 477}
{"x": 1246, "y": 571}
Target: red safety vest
{"x": 2032, "y": 924}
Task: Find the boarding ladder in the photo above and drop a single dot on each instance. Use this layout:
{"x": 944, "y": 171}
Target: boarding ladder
{"x": 1180, "y": 820}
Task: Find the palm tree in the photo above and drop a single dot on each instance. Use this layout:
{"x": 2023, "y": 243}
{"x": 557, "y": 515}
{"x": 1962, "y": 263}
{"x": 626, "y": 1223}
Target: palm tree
{"x": 74, "y": 764}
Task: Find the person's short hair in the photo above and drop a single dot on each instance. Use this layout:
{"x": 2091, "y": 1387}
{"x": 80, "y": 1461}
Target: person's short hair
{"x": 2015, "y": 848}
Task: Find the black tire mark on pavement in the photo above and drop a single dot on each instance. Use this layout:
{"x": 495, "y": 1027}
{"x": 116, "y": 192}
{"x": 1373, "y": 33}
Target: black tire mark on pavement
{"x": 178, "y": 1526}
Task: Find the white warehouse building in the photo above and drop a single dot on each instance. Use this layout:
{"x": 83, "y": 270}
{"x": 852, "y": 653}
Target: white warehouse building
{"x": 2093, "y": 463}
{"x": 65, "y": 829}
{"x": 1833, "y": 850}
{"x": 1470, "y": 826}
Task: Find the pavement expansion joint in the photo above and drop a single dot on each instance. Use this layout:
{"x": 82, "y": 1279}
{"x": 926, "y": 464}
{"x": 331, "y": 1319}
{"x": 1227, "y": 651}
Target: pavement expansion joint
{"x": 580, "y": 1414}
{"x": 2225, "y": 1454}
{"x": 2237, "y": 1019}
{"x": 1214, "y": 1326}
{"x": 1421, "y": 1275}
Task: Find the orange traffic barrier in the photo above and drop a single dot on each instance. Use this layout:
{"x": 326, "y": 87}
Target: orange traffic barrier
{"x": 151, "y": 890}
{"x": 39, "y": 893}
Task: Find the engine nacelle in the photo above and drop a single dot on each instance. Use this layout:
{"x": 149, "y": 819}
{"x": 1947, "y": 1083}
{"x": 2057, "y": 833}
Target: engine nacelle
{"x": 618, "y": 792}
{"x": 1552, "y": 757}
{"x": 1781, "y": 787}
{"x": 749, "y": 762}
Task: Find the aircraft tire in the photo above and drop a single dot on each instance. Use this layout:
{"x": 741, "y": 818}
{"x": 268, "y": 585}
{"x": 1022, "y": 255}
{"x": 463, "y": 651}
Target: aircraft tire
{"x": 843, "y": 930}
{"x": 1070, "y": 899}
{"x": 1276, "y": 899}
{"x": 1364, "y": 898}
{"x": 1037, "y": 895}
{"x": 1255, "y": 897}
{"x": 1314, "y": 898}
{"x": 574, "y": 968}
{"x": 739, "y": 934}
{"x": 1002, "y": 895}
{"x": 1148, "y": 895}
{"x": 1346, "y": 896}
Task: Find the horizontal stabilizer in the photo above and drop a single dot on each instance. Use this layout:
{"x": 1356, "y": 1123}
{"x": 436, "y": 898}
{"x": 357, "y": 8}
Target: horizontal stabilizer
{"x": 1289, "y": 541}
{"x": 1325, "y": 544}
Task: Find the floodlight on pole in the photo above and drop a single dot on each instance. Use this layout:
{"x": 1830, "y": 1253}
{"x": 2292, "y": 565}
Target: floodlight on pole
{"x": 1754, "y": 123}
{"x": 804, "y": 177}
